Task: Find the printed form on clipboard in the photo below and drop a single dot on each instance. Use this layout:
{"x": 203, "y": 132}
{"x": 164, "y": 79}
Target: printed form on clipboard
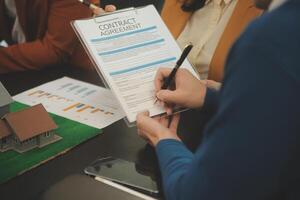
{"x": 127, "y": 47}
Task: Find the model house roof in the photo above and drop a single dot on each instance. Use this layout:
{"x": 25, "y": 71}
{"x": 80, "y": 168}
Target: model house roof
{"x": 4, "y": 129}
{"x": 5, "y": 98}
{"x": 30, "y": 122}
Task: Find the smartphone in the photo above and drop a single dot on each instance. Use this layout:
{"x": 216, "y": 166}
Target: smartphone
{"x": 125, "y": 173}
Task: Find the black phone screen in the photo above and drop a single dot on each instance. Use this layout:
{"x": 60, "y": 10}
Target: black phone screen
{"x": 123, "y": 172}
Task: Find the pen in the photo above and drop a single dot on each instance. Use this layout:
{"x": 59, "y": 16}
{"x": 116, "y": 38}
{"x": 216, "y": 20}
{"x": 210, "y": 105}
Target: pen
{"x": 170, "y": 78}
{"x": 88, "y": 4}
{"x": 179, "y": 62}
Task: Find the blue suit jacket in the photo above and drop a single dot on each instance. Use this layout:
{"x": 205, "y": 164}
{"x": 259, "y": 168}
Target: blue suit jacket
{"x": 251, "y": 148}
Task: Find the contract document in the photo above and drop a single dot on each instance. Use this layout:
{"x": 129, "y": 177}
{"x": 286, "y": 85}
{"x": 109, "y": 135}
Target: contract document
{"x": 127, "y": 47}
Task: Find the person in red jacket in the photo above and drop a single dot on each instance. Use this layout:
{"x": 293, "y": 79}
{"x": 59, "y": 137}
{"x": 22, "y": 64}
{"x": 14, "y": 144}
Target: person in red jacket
{"x": 39, "y": 35}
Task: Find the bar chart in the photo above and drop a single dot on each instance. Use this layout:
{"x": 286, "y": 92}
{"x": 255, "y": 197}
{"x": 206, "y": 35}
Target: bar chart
{"x": 75, "y": 100}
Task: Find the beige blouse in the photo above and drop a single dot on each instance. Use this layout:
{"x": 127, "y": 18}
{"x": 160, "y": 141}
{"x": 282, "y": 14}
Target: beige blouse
{"x": 204, "y": 30}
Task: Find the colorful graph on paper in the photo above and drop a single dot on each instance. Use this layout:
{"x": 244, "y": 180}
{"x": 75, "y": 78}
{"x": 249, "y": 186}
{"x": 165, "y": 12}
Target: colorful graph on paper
{"x": 75, "y": 100}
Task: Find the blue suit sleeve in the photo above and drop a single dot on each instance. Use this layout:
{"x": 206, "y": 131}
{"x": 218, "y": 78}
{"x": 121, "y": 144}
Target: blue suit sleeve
{"x": 211, "y": 101}
{"x": 251, "y": 141}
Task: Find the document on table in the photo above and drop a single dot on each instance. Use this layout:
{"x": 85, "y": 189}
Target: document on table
{"x": 76, "y": 100}
{"x": 127, "y": 48}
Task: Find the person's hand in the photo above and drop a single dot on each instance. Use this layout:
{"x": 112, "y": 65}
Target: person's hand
{"x": 189, "y": 91}
{"x": 108, "y": 8}
{"x": 158, "y": 128}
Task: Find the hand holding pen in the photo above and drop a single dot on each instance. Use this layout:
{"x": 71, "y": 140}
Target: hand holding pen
{"x": 169, "y": 79}
{"x": 189, "y": 92}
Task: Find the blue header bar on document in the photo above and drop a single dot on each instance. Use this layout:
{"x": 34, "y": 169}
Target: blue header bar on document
{"x": 143, "y": 66}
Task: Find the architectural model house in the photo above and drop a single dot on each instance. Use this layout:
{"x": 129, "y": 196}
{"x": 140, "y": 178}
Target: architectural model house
{"x": 5, "y": 100}
{"x": 27, "y": 129}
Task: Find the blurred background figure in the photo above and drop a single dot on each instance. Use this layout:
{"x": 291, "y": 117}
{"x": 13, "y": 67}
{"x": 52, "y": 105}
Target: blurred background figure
{"x": 212, "y": 26}
{"x": 38, "y": 34}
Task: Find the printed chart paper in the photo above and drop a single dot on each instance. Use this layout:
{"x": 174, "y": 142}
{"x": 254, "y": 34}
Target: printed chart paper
{"x": 128, "y": 47}
{"x": 76, "y": 100}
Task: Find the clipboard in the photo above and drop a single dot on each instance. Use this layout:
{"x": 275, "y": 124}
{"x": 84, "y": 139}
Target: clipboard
{"x": 167, "y": 37}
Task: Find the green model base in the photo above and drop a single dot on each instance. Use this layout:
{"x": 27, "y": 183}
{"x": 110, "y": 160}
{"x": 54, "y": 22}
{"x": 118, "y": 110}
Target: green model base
{"x": 73, "y": 133}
